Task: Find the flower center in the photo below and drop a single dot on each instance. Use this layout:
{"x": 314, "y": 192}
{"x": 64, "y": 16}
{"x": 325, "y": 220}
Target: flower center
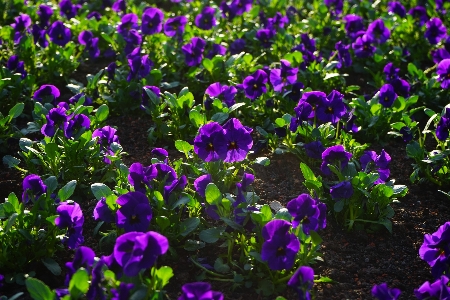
{"x": 210, "y": 147}
{"x": 386, "y": 99}
{"x": 281, "y": 251}
{"x": 330, "y": 110}
{"x": 134, "y": 219}
{"x": 232, "y": 146}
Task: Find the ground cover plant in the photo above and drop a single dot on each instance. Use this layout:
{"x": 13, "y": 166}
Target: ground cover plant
{"x": 187, "y": 149}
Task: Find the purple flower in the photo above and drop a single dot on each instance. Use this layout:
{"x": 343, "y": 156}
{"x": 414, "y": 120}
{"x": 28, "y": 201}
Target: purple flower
{"x": 303, "y": 112}
{"x": 397, "y": 8}
{"x": 436, "y": 290}
{"x": 127, "y": 23}
{"x": 363, "y": 47}
{"x": 94, "y": 14}
{"x": 67, "y": 9}
{"x": 123, "y": 292}
{"x": 406, "y": 133}
{"x": 201, "y": 183}
{"x": 20, "y": 25}
{"x": 39, "y": 36}
{"x": 59, "y": 33}
{"x": 45, "y": 12}
{"x": 103, "y": 213}
{"x": 239, "y": 140}
{"x": 140, "y": 176}
{"x": 77, "y": 97}
{"x": 56, "y": 119}
{"x": 419, "y": 13}
{"x": 343, "y": 55}
{"x": 46, "y": 91}
{"x": 111, "y": 70}
{"x": 206, "y": 20}
{"x": 443, "y": 126}
{"x": 119, "y": 6}
{"x": 439, "y": 54}
{"x": 71, "y": 217}
{"x": 237, "y": 46}
{"x": 77, "y": 125}
{"x": 436, "y": 31}
{"x": 332, "y": 108}
{"x": 106, "y": 136}
{"x": 381, "y": 162}
{"x": 342, "y": 190}
{"x": 87, "y": 39}
{"x": 296, "y": 91}
{"x": 391, "y": 72}
{"x": 279, "y": 78}
{"x": 33, "y": 188}
{"x": 176, "y": 185}
{"x": 247, "y": 180}
{"x": 134, "y": 213}
{"x": 161, "y": 154}
{"x": 387, "y": 95}
{"x": 280, "y": 247}
{"x": 241, "y": 6}
{"x": 15, "y": 66}
{"x": 302, "y": 281}
{"x": 139, "y": 66}
{"x": 96, "y": 290}
{"x": 224, "y": 92}
{"x": 443, "y": 71}
{"x": 255, "y": 84}
{"x": 175, "y": 26}
{"x": 377, "y": 32}
{"x": 210, "y": 143}
{"x": 335, "y": 6}
{"x": 305, "y": 211}
{"x": 193, "y": 51}
{"x": 314, "y": 149}
{"x": 199, "y": 291}
{"x": 216, "y": 49}
{"x": 435, "y": 250}
{"x": 83, "y": 258}
{"x": 335, "y": 155}
{"x": 135, "y": 251}
{"x": 265, "y": 37}
{"x": 146, "y": 101}
{"x": 382, "y": 292}
{"x": 401, "y": 87}
{"x": 152, "y": 20}
{"x": 354, "y": 26}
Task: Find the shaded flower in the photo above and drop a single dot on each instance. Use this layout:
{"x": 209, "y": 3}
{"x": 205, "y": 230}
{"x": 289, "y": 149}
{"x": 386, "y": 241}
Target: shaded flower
{"x": 20, "y": 26}
{"x": 280, "y": 247}
{"x": 335, "y": 155}
{"x": 71, "y": 217}
{"x": 314, "y": 149}
{"x": 443, "y": 126}
{"x": 83, "y": 258}
{"x": 436, "y": 290}
{"x": 46, "y": 92}
{"x": 39, "y": 36}
{"x": 206, "y": 20}
{"x": 363, "y": 47}
{"x": 135, "y": 251}
{"x": 265, "y": 37}
{"x": 406, "y": 134}
{"x": 94, "y": 14}
{"x": 296, "y": 92}
{"x": 387, "y": 95}
{"x": 279, "y": 78}
{"x": 127, "y": 23}
{"x": 216, "y": 49}
{"x": 305, "y": 212}
{"x": 140, "y": 176}
{"x": 419, "y": 13}
{"x": 201, "y": 183}
{"x": 238, "y": 139}
{"x": 382, "y": 292}
{"x": 87, "y": 39}
{"x": 103, "y": 213}
{"x": 139, "y": 66}
{"x": 302, "y": 281}
{"x": 354, "y": 26}
{"x": 223, "y": 92}
{"x": 76, "y": 125}
{"x": 255, "y": 84}
{"x": 209, "y": 144}
{"x": 303, "y": 112}
{"x": 67, "y": 9}
{"x": 335, "y": 6}
{"x": 435, "y": 250}
{"x": 59, "y": 33}
{"x": 342, "y": 190}
{"x": 123, "y": 292}
{"x": 391, "y": 72}
{"x": 152, "y": 20}
{"x": 33, "y": 188}
{"x": 134, "y": 213}
{"x": 401, "y": 87}
{"x": 436, "y": 31}
{"x": 381, "y": 162}
{"x": 56, "y": 119}
{"x": 193, "y": 51}
{"x": 44, "y": 12}
{"x": 332, "y": 108}
{"x": 343, "y": 55}
{"x": 439, "y": 54}
{"x": 237, "y": 46}
{"x": 443, "y": 71}
{"x": 146, "y": 101}
{"x": 16, "y": 66}
{"x": 119, "y": 6}
{"x": 199, "y": 291}
{"x": 175, "y": 26}
{"x": 397, "y": 8}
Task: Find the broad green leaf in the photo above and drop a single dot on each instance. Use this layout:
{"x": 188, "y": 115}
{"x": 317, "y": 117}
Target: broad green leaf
{"x": 51, "y": 183}
{"x": 264, "y": 161}
{"x": 66, "y": 191}
{"x": 197, "y": 118}
{"x": 11, "y": 161}
{"x": 210, "y": 235}
{"x": 52, "y": 265}
{"x": 308, "y": 174}
{"x": 39, "y": 290}
{"x": 189, "y": 225}
{"x": 102, "y": 113}
{"x": 219, "y": 117}
{"x": 338, "y": 206}
{"x": 163, "y": 222}
{"x": 193, "y": 245}
{"x": 207, "y": 64}
{"x": 220, "y": 267}
{"x": 79, "y": 284}
{"x": 51, "y": 149}
{"x": 163, "y": 276}
{"x": 16, "y": 110}
{"x": 183, "y": 147}
{"x": 213, "y": 194}
{"x": 315, "y": 238}
{"x": 10, "y": 222}
{"x": 12, "y": 198}
{"x": 100, "y": 190}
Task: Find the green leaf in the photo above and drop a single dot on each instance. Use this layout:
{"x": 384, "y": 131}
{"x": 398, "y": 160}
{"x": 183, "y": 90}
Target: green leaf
{"x": 208, "y": 64}
{"x": 10, "y": 222}
{"x": 193, "y": 245}
{"x": 52, "y": 265}
{"x": 213, "y": 194}
{"x": 414, "y": 150}
{"x": 51, "y": 183}
{"x": 331, "y": 75}
{"x": 324, "y": 279}
{"x": 51, "y": 149}
{"x": 338, "y": 206}
{"x": 16, "y": 110}
{"x": 189, "y": 225}
{"x": 399, "y": 104}
{"x": 412, "y": 69}
{"x": 308, "y": 174}
{"x": 183, "y": 147}
{"x": 39, "y": 290}
{"x": 12, "y": 198}
{"x": 315, "y": 238}
{"x": 210, "y": 235}
{"x": 11, "y": 161}
{"x": 219, "y": 117}
{"x": 197, "y": 118}
{"x": 66, "y": 191}
{"x": 387, "y": 223}
{"x": 264, "y": 161}
{"x": 102, "y": 113}
{"x": 79, "y": 284}
{"x": 163, "y": 222}
{"x": 220, "y": 267}
{"x": 100, "y": 190}
{"x": 163, "y": 276}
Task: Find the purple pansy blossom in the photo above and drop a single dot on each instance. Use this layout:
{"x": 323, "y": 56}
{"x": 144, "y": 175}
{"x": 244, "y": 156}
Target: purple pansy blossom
{"x": 439, "y": 54}
{"x": 302, "y": 281}
{"x": 314, "y": 149}
{"x": 102, "y": 212}
{"x": 175, "y": 26}
{"x": 135, "y": 251}
{"x": 119, "y": 6}
{"x": 443, "y": 126}
{"x": 45, "y": 12}
{"x": 436, "y": 31}
{"x": 305, "y": 211}
{"x": 381, "y": 162}
{"x": 86, "y": 38}
{"x": 216, "y": 49}
{"x": 206, "y": 20}
{"x": 59, "y": 33}
{"x": 363, "y": 47}
{"x": 280, "y": 247}
{"x": 127, "y": 23}
{"x": 209, "y": 144}
{"x": 419, "y": 13}
{"x": 237, "y": 46}
{"x": 67, "y": 9}
{"x": 436, "y": 290}
{"x": 390, "y": 71}
{"x": 382, "y": 292}
{"x": 94, "y": 14}
{"x": 46, "y": 91}
{"x": 443, "y": 71}
{"x": 176, "y": 185}
{"x": 199, "y": 291}
{"x": 435, "y": 250}
{"x": 303, "y": 112}
{"x": 255, "y": 84}
{"x": 74, "y": 99}
{"x": 354, "y": 26}
{"x": 152, "y": 20}
{"x": 343, "y": 53}
{"x": 238, "y": 140}
{"x": 33, "y": 188}
{"x": 224, "y": 92}
{"x": 140, "y": 176}
{"x": 76, "y": 125}
{"x": 16, "y": 66}
{"x": 83, "y": 258}
{"x": 241, "y": 6}
{"x": 57, "y": 118}
{"x": 193, "y": 51}
{"x": 342, "y": 190}
{"x": 401, "y": 87}
{"x": 20, "y": 25}
{"x": 387, "y": 95}
{"x": 71, "y": 217}
{"x": 335, "y": 6}
{"x": 265, "y": 37}
{"x": 201, "y": 183}
{"x": 133, "y": 41}
{"x": 397, "y": 8}
{"x": 139, "y": 66}
{"x": 332, "y": 108}
{"x": 134, "y": 213}
{"x": 146, "y": 101}
{"x": 279, "y": 78}
{"x": 335, "y": 155}
{"x": 296, "y": 91}
{"x": 39, "y": 36}
{"x": 123, "y": 292}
